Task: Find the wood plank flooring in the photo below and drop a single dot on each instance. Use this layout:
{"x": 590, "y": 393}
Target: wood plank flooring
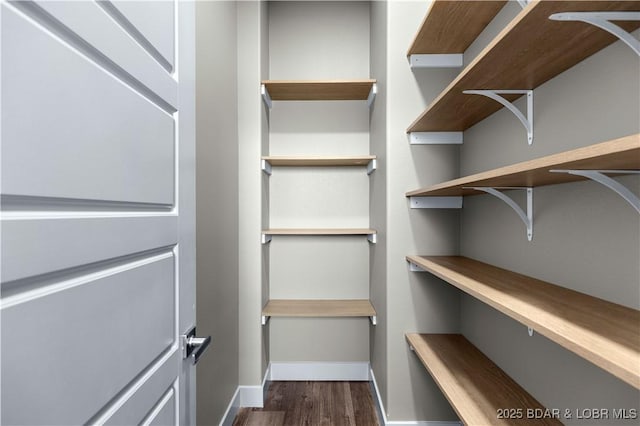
{"x": 313, "y": 404}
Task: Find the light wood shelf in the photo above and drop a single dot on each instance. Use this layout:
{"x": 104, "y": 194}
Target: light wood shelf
{"x": 476, "y": 388}
{"x": 318, "y": 308}
{"x": 604, "y": 333}
{"x": 328, "y": 161}
{"x": 319, "y": 231}
{"x": 451, "y": 26}
{"x": 529, "y": 51}
{"x": 621, "y": 154}
{"x": 319, "y": 90}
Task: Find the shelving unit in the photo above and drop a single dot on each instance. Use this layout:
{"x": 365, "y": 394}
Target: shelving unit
{"x": 368, "y": 161}
{"x": 318, "y": 308}
{"x": 531, "y": 50}
{"x": 477, "y": 389}
{"x": 318, "y": 90}
{"x": 447, "y": 31}
{"x": 602, "y": 332}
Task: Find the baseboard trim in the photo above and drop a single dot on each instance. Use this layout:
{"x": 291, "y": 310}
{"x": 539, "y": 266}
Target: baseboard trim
{"x": 320, "y": 371}
{"x": 246, "y": 396}
{"x": 382, "y": 414}
{"x": 232, "y": 410}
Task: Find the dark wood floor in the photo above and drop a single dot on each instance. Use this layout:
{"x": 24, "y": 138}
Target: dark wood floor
{"x": 313, "y": 404}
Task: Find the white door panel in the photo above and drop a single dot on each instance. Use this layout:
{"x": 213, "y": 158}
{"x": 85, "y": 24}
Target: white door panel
{"x": 97, "y": 213}
{"x": 66, "y": 123}
{"x": 157, "y": 33}
{"x": 97, "y": 29}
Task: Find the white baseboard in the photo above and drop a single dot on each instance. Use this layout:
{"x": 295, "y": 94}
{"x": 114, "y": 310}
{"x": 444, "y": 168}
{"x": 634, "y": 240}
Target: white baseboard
{"x": 246, "y": 396}
{"x": 232, "y": 410}
{"x": 383, "y": 414}
{"x": 320, "y": 371}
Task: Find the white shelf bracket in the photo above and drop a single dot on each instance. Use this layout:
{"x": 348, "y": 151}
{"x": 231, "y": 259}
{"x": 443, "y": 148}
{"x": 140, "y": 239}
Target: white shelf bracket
{"x": 603, "y": 20}
{"x": 265, "y": 166}
{"x": 265, "y": 319}
{"x": 412, "y": 349}
{"x": 265, "y": 96}
{"x": 530, "y": 331}
{"x": 372, "y": 238}
{"x": 373, "y": 319}
{"x": 527, "y": 121}
{"x": 436, "y": 138}
{"x": 372, "y": 94}
{"x": 415, "y": 268}
{"x": 454, "y": 202}
{"x": 523, "y": 3}
{"x": 266, "y": 238}
{"x": 527, "y": 217}
{"x": 373, "y": 164}
{"x": 436, "y": 60}
{"x": 600, "y": 177}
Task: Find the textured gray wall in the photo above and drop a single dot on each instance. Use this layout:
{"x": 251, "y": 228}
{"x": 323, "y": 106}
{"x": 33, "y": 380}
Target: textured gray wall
{"x": 585, "y": 237}
{"x": 217, "y": 207}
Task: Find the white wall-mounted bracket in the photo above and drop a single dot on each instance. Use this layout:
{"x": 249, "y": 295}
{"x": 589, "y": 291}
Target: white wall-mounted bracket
{"x": 373, "y": 164}
{"x": 436, "y": 138}
{"x": 523, "y": 3}
{"x": 373, "y": 319}
{"x": 412, "y": 349}
{"x": 265, "y": 166}
{"x": 530, "y": 331}
{"x": 454, "y": 202}
{"x": 526, "y": 217}
{"x": 436, "y": 60}
{"x": 603, "y": 20}
{"x": 415, "y": 268}
{"x": 264, "y": 319}
{"x": 600, "y": 177}
{"x": 265, "y": 96}
{"x": 527, "y": 121}
{"x": 266, "y": 238}
{"x": 372, "y": 94}
{"x": 372, "y": 238}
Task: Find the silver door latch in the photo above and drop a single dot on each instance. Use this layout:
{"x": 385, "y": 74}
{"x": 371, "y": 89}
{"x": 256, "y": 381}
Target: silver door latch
{"x": 193, "y": 346}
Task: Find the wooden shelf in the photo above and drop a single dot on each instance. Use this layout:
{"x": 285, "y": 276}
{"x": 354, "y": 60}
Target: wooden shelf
{"x": 318, "y": 308}
{"x": 621, "y": 154}
{"x": 308, "y": 161}
{"x": 319, "y": 231}
{"x": 604, "y": 333}
{"x": 451, "y": 26}
{"x": 319, "y": 90}
{"x": 529, "y": 51}
{"x": 476, "y": 388}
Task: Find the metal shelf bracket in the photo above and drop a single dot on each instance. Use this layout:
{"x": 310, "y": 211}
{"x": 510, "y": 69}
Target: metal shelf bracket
{"x": 436, "y": 138}
{"x": 372, "y": 238}
{"x": 603, "y": 20}
{"x": 600, "y": 177}
{"x": 451, "y": 202}
{"x": 523, "y": 3}
{"x": 530, "y": 331}
{"x": 265, "y": 166}
{"x": 265, "y": 319}
{"x": 373, "y": 319}
{"x": 372, "y": 94}
{"x": 527, "y": 217}
{"x": 436, "y": 60}
{"x": 266, "y": 238}
{"x": 265, "y": 96}
{"x": 373, "y": 164}
{"x": 527, "y": 121}
{"x": 415, "y": 268}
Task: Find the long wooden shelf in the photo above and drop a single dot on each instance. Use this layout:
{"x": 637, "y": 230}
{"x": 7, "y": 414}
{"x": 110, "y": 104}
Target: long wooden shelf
{"x": 451, "y": 26}
{"x": 529, "y": 51}
{"x": 620, "y": 154}
{"x": 319, "y": 90}
{"x": 318, "y": 308}
{"x": 477, "y": 389}
{"x": 307, "y": 161}
{"x": 604, "y": 333}
{"x": 319, "y": 231}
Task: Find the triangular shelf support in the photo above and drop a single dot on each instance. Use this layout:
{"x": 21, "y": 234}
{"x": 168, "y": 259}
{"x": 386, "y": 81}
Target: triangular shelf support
{"x": 600, "y": 177}
{"x": 527, "y": 121}
{"x": 265, "y": 96}
{"x": 603, "y": 20}
{"x": 526, "y": 217}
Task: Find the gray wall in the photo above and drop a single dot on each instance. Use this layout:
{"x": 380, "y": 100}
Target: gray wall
{"x": 585, "y": 237}
{"x": 217, "y": 206}
{"x": 318, "y": 40}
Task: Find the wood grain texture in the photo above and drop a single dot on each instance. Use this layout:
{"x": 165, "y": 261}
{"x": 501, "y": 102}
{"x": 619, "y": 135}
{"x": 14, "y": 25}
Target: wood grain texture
{"x": 318, "y": 308}
{"x": 475, "y": 387}
{"x": 307, "y": 403}
{"x": 319, "y": 231}
{"x": 451, "y": 26}
{"x": 529, "y": 51}
{"x": 622, "y": 154}
{"x": 319, "y": 90}
{"x": 308, "y": 161}
{"x": 604, "y": 333}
